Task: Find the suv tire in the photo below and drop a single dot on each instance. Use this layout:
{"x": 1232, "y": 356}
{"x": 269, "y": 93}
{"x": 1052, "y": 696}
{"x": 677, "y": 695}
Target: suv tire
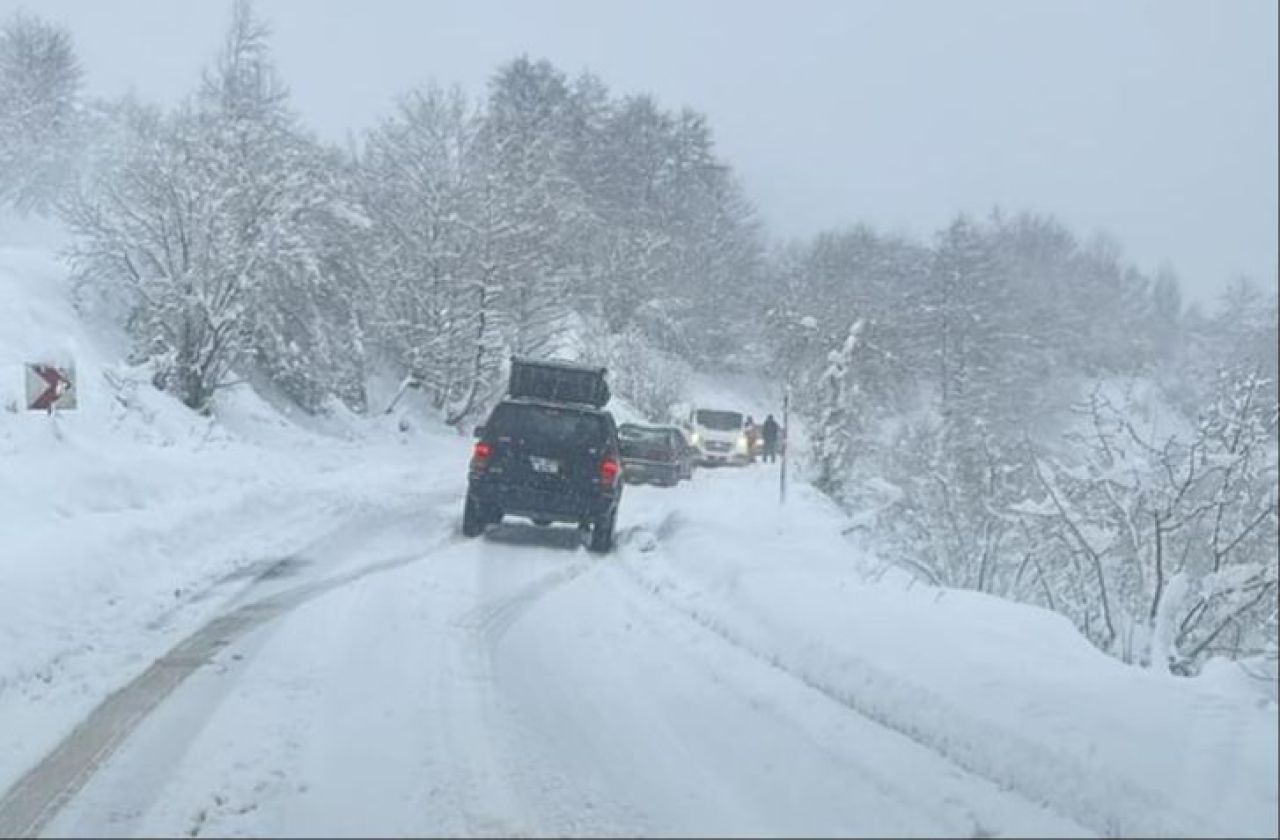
{"x": 602, "y": 533}
{"x": 473, "y": 518}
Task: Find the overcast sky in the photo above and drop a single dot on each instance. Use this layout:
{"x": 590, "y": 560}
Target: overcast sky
{"x": 1154, "y": 120}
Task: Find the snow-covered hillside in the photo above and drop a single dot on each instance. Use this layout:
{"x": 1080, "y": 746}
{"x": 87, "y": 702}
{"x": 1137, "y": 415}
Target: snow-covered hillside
{"x": 129, "y": 520}
{"x": 341, "y": 661}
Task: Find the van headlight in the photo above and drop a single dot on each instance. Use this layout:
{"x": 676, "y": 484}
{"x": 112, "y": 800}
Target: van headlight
{"x": 695, "y": 439}
{"x": 742, "y": 443}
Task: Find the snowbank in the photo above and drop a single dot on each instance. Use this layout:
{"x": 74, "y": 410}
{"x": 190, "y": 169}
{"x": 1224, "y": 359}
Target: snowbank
{"x": 1007, "y": 691}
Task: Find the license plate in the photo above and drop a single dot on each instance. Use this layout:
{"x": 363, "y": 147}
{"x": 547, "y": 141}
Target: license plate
{"x": 544, "y": 465}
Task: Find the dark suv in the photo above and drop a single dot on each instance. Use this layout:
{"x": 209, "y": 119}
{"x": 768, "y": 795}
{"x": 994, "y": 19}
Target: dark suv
{"x": 548, "y": 452}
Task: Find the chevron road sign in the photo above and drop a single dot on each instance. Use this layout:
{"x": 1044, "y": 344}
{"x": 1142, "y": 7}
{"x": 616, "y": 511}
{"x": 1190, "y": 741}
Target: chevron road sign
{"x": 50, "y": 387}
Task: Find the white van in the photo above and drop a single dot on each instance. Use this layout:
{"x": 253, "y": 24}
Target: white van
{"x": 718, "y": 435}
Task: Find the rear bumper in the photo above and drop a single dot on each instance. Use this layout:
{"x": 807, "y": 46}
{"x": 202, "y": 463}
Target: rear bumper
{"x": 518, "y": 500}
{"x": 706, "y": 458}
{"x": 650, "y": 470}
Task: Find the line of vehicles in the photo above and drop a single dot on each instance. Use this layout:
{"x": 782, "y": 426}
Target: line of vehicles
{"x": 550, "y": 452}
{"x": 665, "y": 454}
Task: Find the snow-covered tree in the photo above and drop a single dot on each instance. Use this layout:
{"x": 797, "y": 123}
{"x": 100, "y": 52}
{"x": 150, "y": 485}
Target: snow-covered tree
{"x": 436, "y": 222}
{"x": 156, "y": 231}
{"x": 837, "y": 426}
{"x": 290, "y": 207}
{"x": 221, "y": 226}
{"x": 524, "y": 138}
{"x": 40, "y": 112}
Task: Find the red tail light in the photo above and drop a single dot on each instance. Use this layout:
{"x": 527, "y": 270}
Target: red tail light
{"x": 609, "y": 470}
{"x": 482, "y": 452}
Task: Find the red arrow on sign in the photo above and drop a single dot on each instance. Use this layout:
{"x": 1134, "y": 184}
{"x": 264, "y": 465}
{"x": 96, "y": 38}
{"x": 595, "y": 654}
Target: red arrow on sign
{"x": 50, "y": 395}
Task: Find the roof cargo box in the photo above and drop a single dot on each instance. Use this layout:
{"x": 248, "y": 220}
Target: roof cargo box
{"x": 558, "y": 382}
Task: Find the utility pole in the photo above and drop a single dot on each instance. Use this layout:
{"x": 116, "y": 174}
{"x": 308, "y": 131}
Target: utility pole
{"x": 786, "y": 424}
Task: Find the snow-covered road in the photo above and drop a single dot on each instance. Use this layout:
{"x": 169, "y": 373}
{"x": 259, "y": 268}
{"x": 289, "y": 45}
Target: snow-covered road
{"x": 726, "y": 671}
{"x": 400, "y": 680}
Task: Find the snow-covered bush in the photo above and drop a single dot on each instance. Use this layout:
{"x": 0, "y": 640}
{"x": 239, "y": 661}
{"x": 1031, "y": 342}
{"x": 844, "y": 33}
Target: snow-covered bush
{"x": 947, "y": 519}
{"x": 1161, "y": 548}
{"x": 1177, "y": 532}
{"x": 651, "y": 380}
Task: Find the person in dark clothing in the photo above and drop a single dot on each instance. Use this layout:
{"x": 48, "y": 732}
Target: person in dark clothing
{"x": 770, "y": 434}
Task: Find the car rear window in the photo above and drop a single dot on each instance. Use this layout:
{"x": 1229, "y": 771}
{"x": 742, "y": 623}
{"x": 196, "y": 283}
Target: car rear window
{"x": 641, "y": 442}
{"x": 547, "y": 425}
{"x": 638, "y": 434}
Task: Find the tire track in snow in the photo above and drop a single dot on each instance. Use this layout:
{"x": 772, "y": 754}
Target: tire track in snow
{"x": 491, "y": 620}
{"x": 512, "y": 802}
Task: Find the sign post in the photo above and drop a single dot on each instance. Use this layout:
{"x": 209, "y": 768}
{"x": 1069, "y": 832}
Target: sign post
{"x": 50, "y": 387}
{"x": 786, "y": 424}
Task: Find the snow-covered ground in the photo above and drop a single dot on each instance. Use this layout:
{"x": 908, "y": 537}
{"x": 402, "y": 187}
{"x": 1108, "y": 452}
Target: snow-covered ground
{"x": 728, "y": 671}
{"x": 127, "y": 522}
{"x": 242, "y": 626}
{"x": 1008, "y": 692}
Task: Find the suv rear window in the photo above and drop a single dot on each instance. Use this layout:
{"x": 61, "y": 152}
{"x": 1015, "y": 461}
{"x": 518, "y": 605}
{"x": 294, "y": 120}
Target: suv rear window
{"x": 544, "y": 424}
